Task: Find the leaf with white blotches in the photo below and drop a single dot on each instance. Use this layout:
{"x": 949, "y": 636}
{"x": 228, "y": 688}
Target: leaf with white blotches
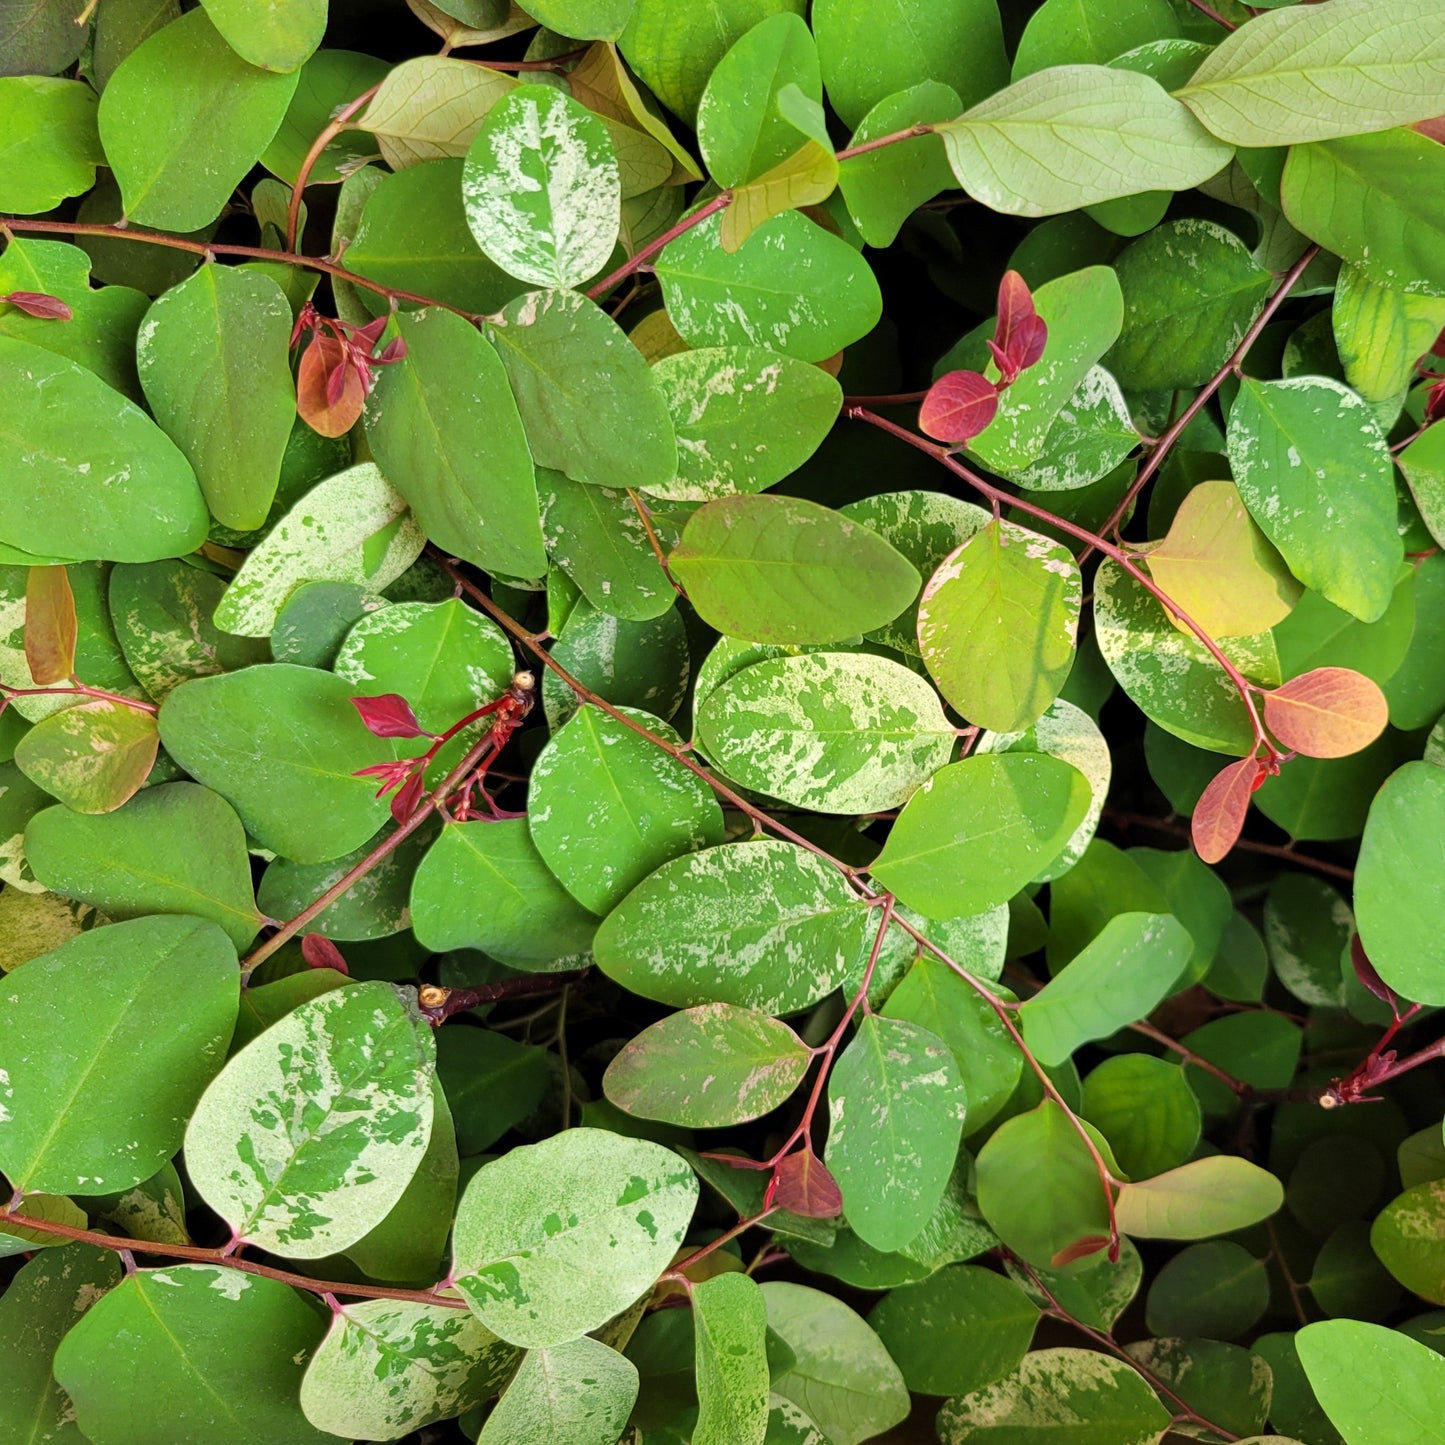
{"x": 730, "y": 1323}
{"x": 578, "y": 1392}
{"x": 93, "y": 756}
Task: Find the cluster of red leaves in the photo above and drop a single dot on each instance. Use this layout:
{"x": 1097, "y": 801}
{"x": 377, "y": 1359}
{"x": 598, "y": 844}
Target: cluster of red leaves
{"x": 389, "y": 715}
{"x": 336, "y": 372}
{"x": 960, "y": 404}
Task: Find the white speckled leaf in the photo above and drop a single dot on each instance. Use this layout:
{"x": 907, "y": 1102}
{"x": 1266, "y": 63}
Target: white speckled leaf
{"x": 997, "y": 624}
{"x": 763, "y": 924}
{"x": 730, "y": 1324}
{"x": 895, "y": 1116}
{"x": 837, "y": 732}
{"x": 353, "y": 527}
{"x": 387, "y": 1367}
{"x": 708, "y": 1067}
{"x": 309, "y": 1136}
{"x": 431, "y": 107}
{"x": 576, "y": 1393}
{"x": 541, "y": 188}
{"x": 596, "y": 780}
{"x": 555, "y": 1238}
{"x": 1070, "y": 734}
{"x": 745, "y": 418}
{"x": 1076, "y": 1396}
{"x": 1168, "y": 673}
{"x": 1090, "y": 436}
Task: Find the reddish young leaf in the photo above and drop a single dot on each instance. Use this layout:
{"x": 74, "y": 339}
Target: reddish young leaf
{"x": 1365, "y": 972}
{"x": 1219, "y": 813}
{"x": 958, "y": 406}
{"x": 49, "y": 625}
{"x": 389, "y": 715}
{"x": 320, "y": 952}
{"x": 392, "y": 774}
{"x": 1328, "y": 712}
{"x": 1015, "y": 305}
{"x": 404, "y": 804}
{"x": 40, "y": 305}
{"x": 1079, "y": 1249}
{"x": 802, "y": 1184}
{"x": 324, "y": 359}
{"x": 1028, "y": 342}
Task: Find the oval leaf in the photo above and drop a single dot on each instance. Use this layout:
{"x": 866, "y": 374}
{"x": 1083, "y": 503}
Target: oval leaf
{"x": 1328, "y": 712}
{"x": 958, "y": 406}
{"x": 1219, "y": 814}
{"x": 1208, "y": 1196}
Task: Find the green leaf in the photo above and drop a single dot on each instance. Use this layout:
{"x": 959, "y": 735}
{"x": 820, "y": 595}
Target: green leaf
{"x": 192, "y": 1352}
{"x": 353, "y": 527}
{"x": 1399, "y": 902}
{"x": 43, "y": 1300}
{"x": 1121, "y": 976}
{"x": 1168, "y": 673}
{"x": 555, "y": 1238}
{"x": 763, "y": 925}
{"x": 1227, "y": 1384}
{"x": 895, "y": 1116}
{"x": 868, "y": 53}
{"x": 730, "y": 1322}
{"x": 41, "y": 39}
{"x": 978, "y": 830}
{"x": 1381, "y": 332}
{"x": 1375, "y": 201}
{"x": 1146, "y": 1110}
{"x": 956, "y": 1332}
{"x": 1376, "y": 1385}
{"x": 431, "y": 107}
{"x": 1314, "y": 470}
{"x": 1209, "y": 1196}
{"x": 1307, "y": 928}
{"x": 116, "y": 488}
{"x": 494, "y": 1082}
{"x": 597, "y": 778}
{"x": 1218, "y": 1290}
{"x": 791, "y": 286}
{"x": 1080, "y": 1396}
{"x": 1075, "y": 135}
{"x": 52, "y": 1209}
{"x": 182, "y": 121}
{"x": 175, "y": 848}
{"x": 1071, "y": 32}
{"x": 780, "y": 569}
{"x": 49, "y": 147}
{"x": 330, "y": 78}
{"x": 1305, "y": 75}
{"x": 124, "y": 1024}
{"x": 309, "y": 1135}
{"x": 484, "y": 885}
{"x": 541, "y": 188}
{"x": 1038, "y": 1186}
{"x": 92, "y": 756}
{"x": 745, "y": 418}
{"x": 212, "y": 355}
{"x": 1092, "y": 1289}
{"x": 836, "y": 732}
{"x": 155, "y": 1209}
{"x": 578, "y": 1391}
{"x": 391, "y": 1366}
{"x": 1406, "y": 1238}
{"x": 840, "y": 1370}
{"x": 584, "y": 19}
{"x": 277, "y": 36}
{"x": 1091, "y": 435}
{"x": 282, "y": 745}
{"x": 997, "y": 624}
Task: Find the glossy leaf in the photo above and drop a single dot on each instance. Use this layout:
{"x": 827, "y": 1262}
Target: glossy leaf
{"x": 1147, "y": 1111}
{"x": 959, "y": 405}
{"x": 92, "y": 756}
{"x": 1328, "y": 712}
{"x": 1374, "y": 1383}
{"x": 1219, "y": 815}
{"x": 579, "y": 1390}
{"x": 1209, "y": 1196}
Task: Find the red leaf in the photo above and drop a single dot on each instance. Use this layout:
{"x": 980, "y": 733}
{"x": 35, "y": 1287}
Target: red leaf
{"x": 1015, "y": 305}
{"x": 1328, "y": 712}
{"x": 958, "y": 406}
{"x": 324, "y": 358}
{"x": 49, "y": 625}
{"x": 405, "y": 802}
{"x": 1079, "y": 1249}
{"x": 1219, "y": 813}
{"x": 320, "y": 952}
{"x": 1434, "y": 128}
{"x": 389, "y": 715}
{"x": 40, "y": 305}
{"x": 1365, "y": 972}
{"x": 1027, "y": 344}
{"x": 801, "y": 1183}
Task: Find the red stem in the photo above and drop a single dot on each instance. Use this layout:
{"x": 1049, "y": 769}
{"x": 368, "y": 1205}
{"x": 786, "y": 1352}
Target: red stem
{"x": 329, "y": 132}
{"x": 637, "y": 262}
{"x": 78, "y": 689}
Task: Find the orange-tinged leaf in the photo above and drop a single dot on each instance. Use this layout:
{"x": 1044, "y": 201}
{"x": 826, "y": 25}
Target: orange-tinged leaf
{"x": 1220, "y": 568}
{"x": 329, "y": 394}
{"x": 49, "y": 625}
{"x": 1219, "y": 813}
{"x": 1329, "y": 712}
{"x": 93, "y": 756}
{"x": 958, "y": 406}
{"x": 1079, "y": 1249}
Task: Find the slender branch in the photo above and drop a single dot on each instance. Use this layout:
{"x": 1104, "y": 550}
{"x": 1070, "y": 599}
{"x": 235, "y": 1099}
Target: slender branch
{"x": 642, "y": 257}
{"x": 329, "y": 132}
{"x": 1291, "y": 1283}
{"x": 878, "y": 142}
{"x": 1127, "y": 820}
{"x": 640, "y": 507}
{"x": 677, "y": 1273}
{"x": 1235, "y": 1086}
{"x": 75, "y": 689}
{"x": 437, "y": 1003}
{"x": 1214, "y": 15}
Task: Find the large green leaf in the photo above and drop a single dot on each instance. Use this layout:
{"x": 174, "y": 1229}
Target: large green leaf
{"x": 116, "y": 487}
{"x": 192, "y": 1353}
{"x": 281, "y": 744}
{"x": 176, "y": 848}
{"x": 49, "y": 148}
{"x": 309, "y": 1136}
{"x": 555, "y": 1238}
{"x": 1381, "y": 332}
{"x": 978, "y": 830}
{"x": 579, "y": 1391}
{"x": 391, "y": 1366}
{"x": 780, "y": 569}
{"x": 1073, "y": 32}
{"x": 730, "y": 1322}
{"x": 1307, "y": 74}
{"x": 837, "y": 732}
{"x": 763, "y": 925}
{"x": 1406, "y": 1237}
{"x": 1376, "y": 1385}
{"x": 276, "y": 36}
{"x": 997, "y": 624}
{"x": 597, "y": 778}
{"x": 1146, "y": 1110}
{"x": 183, "y": 119}
{"x": 1074, "y": 135}
{"x": 895, "y": 1116}
{"x": 108, "y": 1041}
{"x": 212, "y": 356}
{"x": 1207, "y": 1196}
